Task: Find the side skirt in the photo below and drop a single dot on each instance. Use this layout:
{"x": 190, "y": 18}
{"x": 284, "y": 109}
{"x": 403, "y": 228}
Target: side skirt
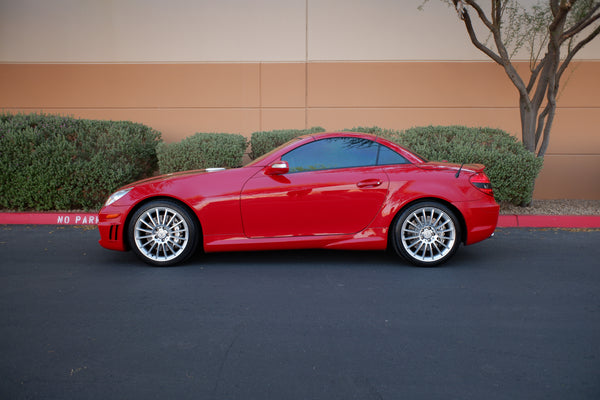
{"x": 369, "y": 239}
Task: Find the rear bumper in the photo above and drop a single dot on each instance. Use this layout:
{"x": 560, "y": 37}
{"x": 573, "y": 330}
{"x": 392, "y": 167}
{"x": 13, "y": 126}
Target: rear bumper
{"x": 481, "y": 218}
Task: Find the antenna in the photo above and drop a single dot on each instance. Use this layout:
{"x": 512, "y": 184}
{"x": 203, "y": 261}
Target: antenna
{"x": 460, "y": 169}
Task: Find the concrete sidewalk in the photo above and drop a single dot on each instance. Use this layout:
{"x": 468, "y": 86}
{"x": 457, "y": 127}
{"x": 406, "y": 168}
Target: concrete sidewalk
{"x": 504, "y": 221}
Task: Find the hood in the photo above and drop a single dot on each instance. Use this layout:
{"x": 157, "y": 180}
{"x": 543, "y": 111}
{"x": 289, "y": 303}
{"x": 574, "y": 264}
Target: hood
{"x": 172, "y": 175}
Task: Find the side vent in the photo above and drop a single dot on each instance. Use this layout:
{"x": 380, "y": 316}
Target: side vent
{"x": 113, "y": 233}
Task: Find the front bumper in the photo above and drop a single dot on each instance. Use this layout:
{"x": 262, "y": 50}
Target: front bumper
{"x": 111, "y": 224}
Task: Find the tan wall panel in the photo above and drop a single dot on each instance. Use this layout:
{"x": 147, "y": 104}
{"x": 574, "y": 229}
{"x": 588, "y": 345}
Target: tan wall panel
{"x": 575, "y": 131}
{"x": 580, "y": 85}
{"x": 443, "y": 84}
{"x": 174, "y": 124}
{"x": 282, "y": 118}
{"x": 129, "y": 85}
{"x": 436, "y": 84}
{"x": 283, "y": 85}
{"x": 569, "y": 177}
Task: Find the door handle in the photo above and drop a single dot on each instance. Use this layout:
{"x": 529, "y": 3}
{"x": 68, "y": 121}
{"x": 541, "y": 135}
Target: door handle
{"x": 369, "y": 183}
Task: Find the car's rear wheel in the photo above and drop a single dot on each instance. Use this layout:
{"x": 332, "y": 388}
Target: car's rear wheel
{"x": 426, "y": 234}
{"x": 163, "y": 233}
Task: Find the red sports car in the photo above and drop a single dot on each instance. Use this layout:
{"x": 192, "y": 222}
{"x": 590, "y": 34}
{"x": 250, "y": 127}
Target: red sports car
{"x": 330, "y": 190}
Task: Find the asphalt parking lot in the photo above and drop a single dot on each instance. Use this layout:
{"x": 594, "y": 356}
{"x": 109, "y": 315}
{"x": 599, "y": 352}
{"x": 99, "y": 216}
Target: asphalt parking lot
{"x": 514, "y": 317}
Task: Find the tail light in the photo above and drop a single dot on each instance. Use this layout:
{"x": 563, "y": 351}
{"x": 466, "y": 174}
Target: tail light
{"x": 482, "y": 183}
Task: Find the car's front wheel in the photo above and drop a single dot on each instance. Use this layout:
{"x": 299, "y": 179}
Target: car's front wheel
{"x": 426, "y": 234}
{"x": 163, "y": 233}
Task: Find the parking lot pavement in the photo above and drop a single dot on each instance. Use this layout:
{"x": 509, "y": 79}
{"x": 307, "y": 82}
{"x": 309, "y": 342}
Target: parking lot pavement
{"x": 513, "y": 317}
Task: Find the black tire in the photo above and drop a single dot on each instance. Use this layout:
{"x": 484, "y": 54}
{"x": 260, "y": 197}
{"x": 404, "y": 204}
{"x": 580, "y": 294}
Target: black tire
{"x": 426, "y": 234}
{"x": 163, "y": 233}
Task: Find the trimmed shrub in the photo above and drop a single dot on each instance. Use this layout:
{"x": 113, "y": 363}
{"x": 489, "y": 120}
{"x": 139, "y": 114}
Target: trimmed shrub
{"x": 202, "y": 150}
{"x": 52, "y": 162}
{"x": 377, "y": 131}
{"x": 511, "y": 168}
{"x": 263, "y": 142}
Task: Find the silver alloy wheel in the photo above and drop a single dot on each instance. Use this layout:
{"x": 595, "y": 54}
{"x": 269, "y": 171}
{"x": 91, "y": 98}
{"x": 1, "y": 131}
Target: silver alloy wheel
{"x": 428, "y": 234}
{"x": 161, "y": 234}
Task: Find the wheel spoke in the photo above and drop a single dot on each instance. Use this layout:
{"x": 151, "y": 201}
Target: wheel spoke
{"x": 441, "y": 243}
{"x": 152, "y": 224}
{"x": 147, "y": 224}
{"x": 429, "y": 250}
{"x": 154, "y": 244}
{"x": 411, "y": 237}
{"x": 437, "y": 249}
{"x": 171, "y": 248}
{"x": 416, "y": 225}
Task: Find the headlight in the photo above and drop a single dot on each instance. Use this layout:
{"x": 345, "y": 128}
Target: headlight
{"x": 116, "y": 196}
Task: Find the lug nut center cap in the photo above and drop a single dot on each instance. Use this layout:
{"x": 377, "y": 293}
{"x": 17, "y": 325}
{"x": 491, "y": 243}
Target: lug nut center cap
{"x": 427, "y": 233}
{"x": 161, "y": 233}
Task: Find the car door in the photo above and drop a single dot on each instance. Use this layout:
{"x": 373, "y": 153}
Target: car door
{"x": 333, "y": 187}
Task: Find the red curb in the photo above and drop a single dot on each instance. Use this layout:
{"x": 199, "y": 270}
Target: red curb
{"x": 504, "y": 221}
{"x": 559, "y": 221}
{"x": 508, "y": 221}
{"x": 18, "y": 218}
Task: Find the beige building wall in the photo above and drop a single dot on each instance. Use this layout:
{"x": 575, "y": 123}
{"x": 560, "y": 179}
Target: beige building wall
{"x": 246, "y": 65}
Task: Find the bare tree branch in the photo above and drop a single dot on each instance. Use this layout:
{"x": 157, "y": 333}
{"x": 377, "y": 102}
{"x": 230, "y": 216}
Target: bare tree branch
{"x": 534, "y": 75}
{"x": 541, "y": 122}
{"x": 561, "y": 15}
{"x": 584, "y": 23}
{"x": 477, "y": 43}
{"x": 480, "y": 13}
{"x": 554, "y": 7}
{"x": 502, "y": 59}
{"x": 578, "y": 47}
{"x": 548, "y": 125}
{"x": 544, "y": 80}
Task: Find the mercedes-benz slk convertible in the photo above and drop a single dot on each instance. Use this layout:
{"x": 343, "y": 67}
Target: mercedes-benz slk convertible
{"x": 331, "y": 190}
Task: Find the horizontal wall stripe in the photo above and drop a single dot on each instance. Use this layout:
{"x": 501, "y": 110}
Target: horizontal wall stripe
{"x": 364, "y": 85}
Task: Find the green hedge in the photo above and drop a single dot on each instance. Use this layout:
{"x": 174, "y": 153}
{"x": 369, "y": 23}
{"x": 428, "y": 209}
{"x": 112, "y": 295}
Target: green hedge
{"x": 202, "y": 150}
{"x": 265, "y": 141}
{"x": 52, "y": 162}
{"x": 511, "y": 168}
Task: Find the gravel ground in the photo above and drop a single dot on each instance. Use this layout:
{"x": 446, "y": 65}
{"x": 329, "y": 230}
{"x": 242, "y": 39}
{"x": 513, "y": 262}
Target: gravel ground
{"x": 554, "y": 207}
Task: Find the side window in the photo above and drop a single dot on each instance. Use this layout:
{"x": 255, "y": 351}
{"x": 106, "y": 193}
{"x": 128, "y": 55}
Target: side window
{"x": 345, "y": 152}
{"x": 388, "y": 156}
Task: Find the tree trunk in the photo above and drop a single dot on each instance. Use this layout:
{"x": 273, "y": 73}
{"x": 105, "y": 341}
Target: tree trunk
{"x": 528, "y": 123}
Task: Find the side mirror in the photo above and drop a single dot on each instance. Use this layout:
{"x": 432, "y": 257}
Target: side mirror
{"x": 277, "y": 168}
